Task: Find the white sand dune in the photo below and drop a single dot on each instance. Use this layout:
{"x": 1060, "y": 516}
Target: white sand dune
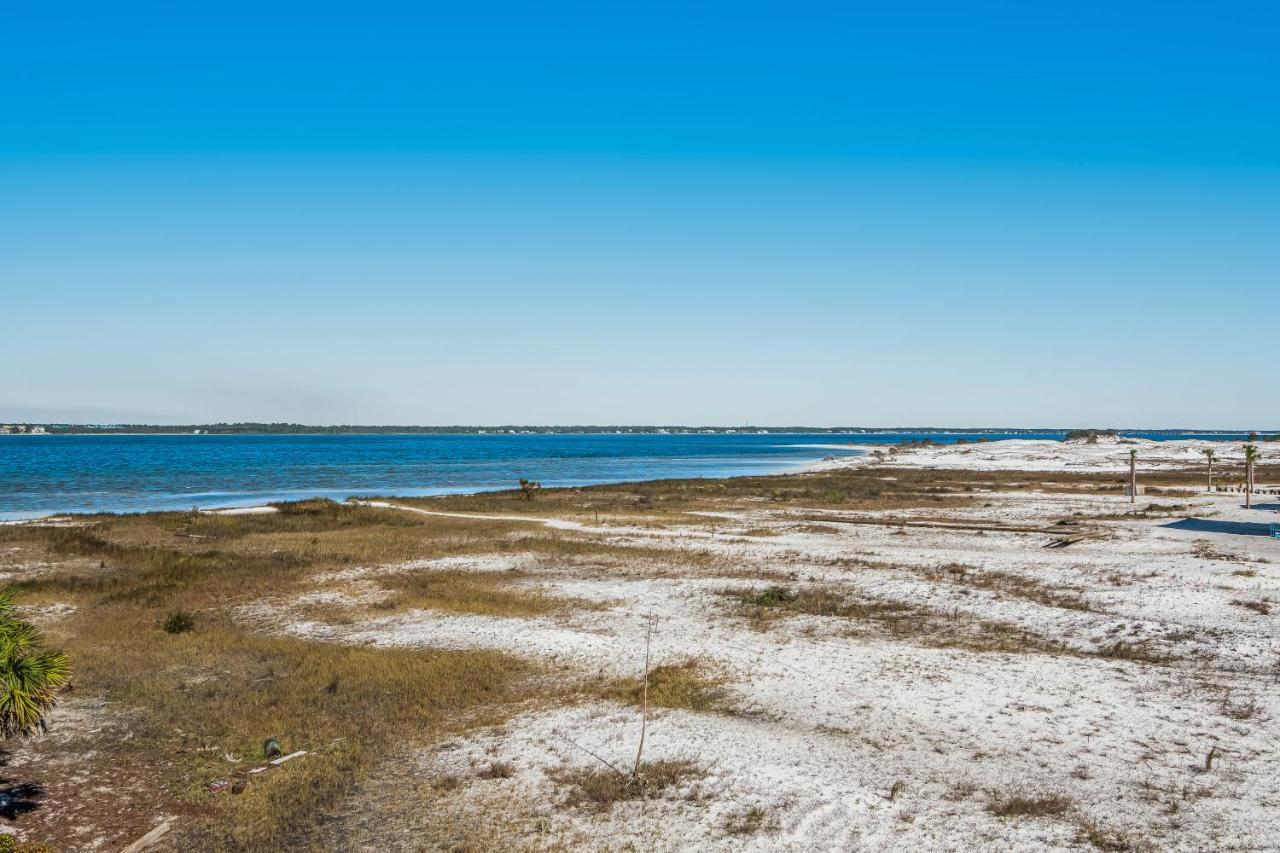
{"x": 1108, "y": 454}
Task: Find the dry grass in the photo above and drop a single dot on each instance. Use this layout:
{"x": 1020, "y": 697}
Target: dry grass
{"x": 814, "y": 528}
{"x": 219, "y": 689}
{"x": 691, "y": 685}
{"x": 863, "y": 488}
{"x": 1138, "y": 652}
{"x": 1113, "y": 840}
{"x": 1011, "y": 585}
{"x": 746, "y": 823}
{"x": 479, "y": 593}
{"x": 1206, "y": 550}
{"x": 599, "y": 788}
{"x": 1262, "y": 608}
{"x": 763, "y": 606}
{"x": 1020, "y": 805}
{"x": 498, "y": 770}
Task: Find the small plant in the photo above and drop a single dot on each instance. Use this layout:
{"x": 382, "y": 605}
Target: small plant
{"x": 746, "y": 823}
{"x": 1017, "y": 805}
{"x": 1104, "y": 839}
{"x": 31, "y": 676}
{"x": 1141, "y": 652}
{"x": 10, "y": 844}
{"x": 773, "y": 596}
{"x": 529, "y": 488}
{"x": 179, "y": 622}
{"x": 498, "y": 770}
{"x": 598, "y": 788}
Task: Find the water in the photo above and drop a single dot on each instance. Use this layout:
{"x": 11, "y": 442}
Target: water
{"x": 40, "y": 475}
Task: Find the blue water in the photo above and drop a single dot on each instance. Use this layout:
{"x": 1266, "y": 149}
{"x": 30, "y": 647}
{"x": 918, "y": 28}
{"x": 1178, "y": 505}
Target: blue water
{"x": 43, "y": 474}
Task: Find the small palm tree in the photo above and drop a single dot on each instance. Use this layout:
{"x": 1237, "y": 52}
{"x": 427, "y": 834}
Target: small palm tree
{"x": 1250, "y": 458}
{"x": 1209, "y": 456}
{"x": 31, "y": 676}
{"x": 1133, "y": 475}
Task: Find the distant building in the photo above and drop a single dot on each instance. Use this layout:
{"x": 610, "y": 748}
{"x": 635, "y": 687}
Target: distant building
{"x": 5, "y": 429}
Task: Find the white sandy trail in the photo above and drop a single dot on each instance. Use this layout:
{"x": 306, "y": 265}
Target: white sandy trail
{"x": 557, "y": 523}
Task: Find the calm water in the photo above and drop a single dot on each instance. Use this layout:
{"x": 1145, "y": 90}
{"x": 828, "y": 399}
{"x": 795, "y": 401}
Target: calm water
{"x": 130, "y": 473}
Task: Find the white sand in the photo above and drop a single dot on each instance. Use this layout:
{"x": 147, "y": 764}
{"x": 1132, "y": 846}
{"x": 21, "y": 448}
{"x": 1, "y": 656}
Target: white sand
{"x": 1108, "y": 454}
{"x": 830, "y": 720}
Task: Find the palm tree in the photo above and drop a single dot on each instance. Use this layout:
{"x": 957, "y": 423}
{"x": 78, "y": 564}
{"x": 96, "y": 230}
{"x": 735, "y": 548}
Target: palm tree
{"x": 1209, "y": 456}
{"x": 31, "y": 676}
{"x": 1133, "y": 475}
{"x": 1250, "y": 457}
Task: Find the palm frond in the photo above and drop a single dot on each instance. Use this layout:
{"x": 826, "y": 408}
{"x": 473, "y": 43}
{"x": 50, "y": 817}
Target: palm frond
{"x": 31, "y": 675}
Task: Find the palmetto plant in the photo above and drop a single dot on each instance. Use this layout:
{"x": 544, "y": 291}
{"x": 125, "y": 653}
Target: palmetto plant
{"x": 31, "y": 675}
{"x": 1250, "y": 459}
{"x": 1209, "y": 456}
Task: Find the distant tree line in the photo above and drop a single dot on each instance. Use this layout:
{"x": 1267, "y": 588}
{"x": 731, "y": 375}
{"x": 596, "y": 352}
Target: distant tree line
{"x": 256, "y": 428}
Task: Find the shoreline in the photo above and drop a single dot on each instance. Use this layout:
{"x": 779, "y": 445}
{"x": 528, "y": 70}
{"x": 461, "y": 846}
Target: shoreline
{"x": 257, "y": 505}
{"x": 1105, "y": 456}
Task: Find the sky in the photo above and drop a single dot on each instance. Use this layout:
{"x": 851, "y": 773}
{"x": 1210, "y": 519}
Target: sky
{"x": 866, "y": 214}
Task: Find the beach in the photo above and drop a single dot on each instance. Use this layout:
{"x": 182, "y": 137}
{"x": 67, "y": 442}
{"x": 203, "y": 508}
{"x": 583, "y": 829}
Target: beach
{"x": 967, "y": 654}
{"x": 1108, "y": 454}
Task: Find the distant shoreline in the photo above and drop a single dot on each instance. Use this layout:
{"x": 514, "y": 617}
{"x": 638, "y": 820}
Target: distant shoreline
{"x": 245, "y": 429}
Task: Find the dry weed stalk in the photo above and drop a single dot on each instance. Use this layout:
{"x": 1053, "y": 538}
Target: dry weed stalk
{"x": 644, "y": 708}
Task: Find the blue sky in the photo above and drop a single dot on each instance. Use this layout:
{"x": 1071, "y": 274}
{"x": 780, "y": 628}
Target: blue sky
{"x": 869, "y": 214}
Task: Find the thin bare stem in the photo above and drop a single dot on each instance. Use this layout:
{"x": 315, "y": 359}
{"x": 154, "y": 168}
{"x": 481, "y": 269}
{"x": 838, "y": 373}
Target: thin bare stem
{"x": 644, "y": 711}
{"x": 593, "y": 755}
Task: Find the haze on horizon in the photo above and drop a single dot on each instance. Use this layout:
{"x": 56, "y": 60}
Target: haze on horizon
{"x": 821, "y": 214}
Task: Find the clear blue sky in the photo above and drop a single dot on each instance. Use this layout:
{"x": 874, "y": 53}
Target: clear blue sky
{"x": 822, "y": 213}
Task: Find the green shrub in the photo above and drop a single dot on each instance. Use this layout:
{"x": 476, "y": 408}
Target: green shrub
{"x": 775, "y": 595}
{"x": 179, "y": 622}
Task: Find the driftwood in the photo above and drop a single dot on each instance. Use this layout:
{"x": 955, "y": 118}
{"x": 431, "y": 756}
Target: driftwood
{"x": 1068, "y": 541}
{"x": 150, "y": 838}
{"x": 267, "y": 765}
{"x": 984, "y": 526}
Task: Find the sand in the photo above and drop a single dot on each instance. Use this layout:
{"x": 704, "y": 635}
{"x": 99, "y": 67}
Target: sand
{"x": 1106, "y": 455}
{"x": 858, "y": 739}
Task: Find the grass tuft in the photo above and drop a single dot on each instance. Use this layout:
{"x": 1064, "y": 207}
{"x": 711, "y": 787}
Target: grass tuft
{"x": 690, "y": 685}
{"x": 746, "y": 823}
{"x": 599, "y": 788}
{"x": 1018, "y": 805}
